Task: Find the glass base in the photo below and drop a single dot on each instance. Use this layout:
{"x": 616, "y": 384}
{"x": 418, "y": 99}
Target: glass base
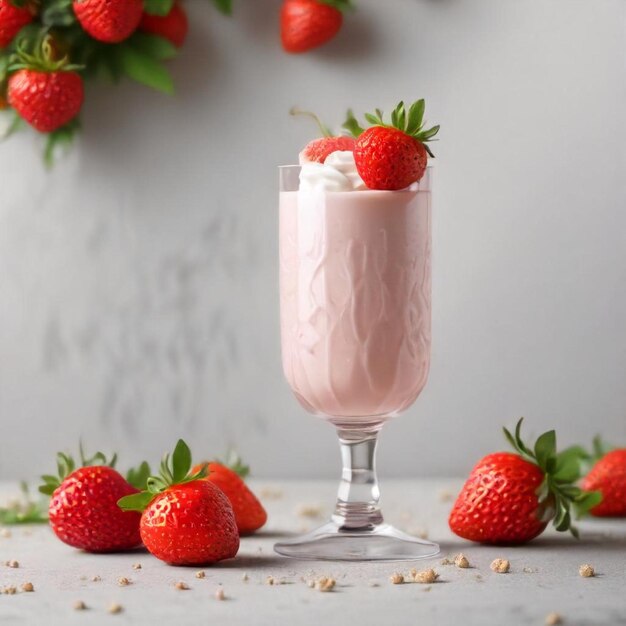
{"x": 381, "y": 542}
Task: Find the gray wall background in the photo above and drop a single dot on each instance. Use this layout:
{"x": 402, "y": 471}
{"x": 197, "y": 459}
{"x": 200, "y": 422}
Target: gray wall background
{"x": 138, "y": 279}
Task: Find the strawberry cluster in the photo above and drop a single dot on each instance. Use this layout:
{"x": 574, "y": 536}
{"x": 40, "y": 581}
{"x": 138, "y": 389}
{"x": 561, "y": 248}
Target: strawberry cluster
{"x": 49, "y": 47}
{"x": 184, "y": 515}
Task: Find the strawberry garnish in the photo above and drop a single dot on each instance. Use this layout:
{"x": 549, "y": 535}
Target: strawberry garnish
{"x": 249, "y": 512}
{"x": 110, "y": 21}
{"x": 185, "y": 520}
{"x": 83, "y": 509}
{"x": 607, "y": 476}
{"x": 392, "y": 156}
{"x": 318, "y": 150}
{"x": 46, "y": 92}
{"x": 510, "y": 498}
{"x": 308, "y": 24}
{"x": 173, "y": 26}
{"x": 12, "y": 19}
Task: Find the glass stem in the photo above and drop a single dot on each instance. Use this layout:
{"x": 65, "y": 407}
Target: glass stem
{"x": 357, "y": 500}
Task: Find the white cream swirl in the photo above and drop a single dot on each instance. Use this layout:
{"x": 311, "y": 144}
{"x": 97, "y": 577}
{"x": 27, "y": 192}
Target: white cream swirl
{"x": 337, "y": 173}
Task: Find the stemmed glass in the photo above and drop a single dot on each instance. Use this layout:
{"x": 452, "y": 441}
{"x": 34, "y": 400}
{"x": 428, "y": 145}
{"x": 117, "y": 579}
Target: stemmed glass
{"x": 355, "y": 292}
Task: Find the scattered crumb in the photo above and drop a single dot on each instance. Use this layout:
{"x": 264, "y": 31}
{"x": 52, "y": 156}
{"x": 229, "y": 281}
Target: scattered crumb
{"x": 123, "y": 581}
{"x": 200, "y": 574}
{"x": 271, "y": 493}
{"x": 12, "y": 563}
{"x": 83, "y": 577}
{"x": 373, "y": 583}
{"x": 500, "y": 566}
{"x": 447, "y": 561}
{"x": 552, "y": 619}
{"x": 270, "y": 580}
{"x": 310, "y": 583}
{"x": 115, "y": 608}
{"x": 529, "y": 570}
{"x": 219, "y": 594}
{"x": 310, "y": 510}
{"x": 245, "y": 577}
{"x": 445, "y": 495}
{"x": 28, "y": 587}
{"x": 136, "y": 565}
{"x": 460, "y": 560}
{"x": 5, "y": 532}
{"x": 396, "y": 578}
{"x": 586, "y": 571}
{"x": 180, "y": 585}
{"x": 10, "y": 590}
{"x": 325, "y": 583}
{"x": 96, "y": 579}
{"x": 79, "y": 605}
{"x": 427, "y": 576}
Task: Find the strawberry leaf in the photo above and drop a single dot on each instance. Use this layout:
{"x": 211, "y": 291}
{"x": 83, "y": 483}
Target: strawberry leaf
{"x": 158, "y": 7}
{"x": 135, "y": 502}
{"x": 181, "y": 461}
{"x": 416, "y": 116}
{"x": 144, "y": 69}
{"x": 224, "y": 6}
{"x": 58, "y": 13}
{"x": 158, "y": 48}
{"x": 352, "y": 125}
{"x": 235, "y": 463}
{"x": 138, "y": 476}
{"x": 545, "y": 449}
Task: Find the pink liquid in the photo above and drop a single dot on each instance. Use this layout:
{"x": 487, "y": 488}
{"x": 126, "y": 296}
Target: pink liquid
{"x": 355, "y": 285}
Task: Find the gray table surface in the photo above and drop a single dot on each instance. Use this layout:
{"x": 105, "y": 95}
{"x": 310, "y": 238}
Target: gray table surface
{"x": 544, "y": 574}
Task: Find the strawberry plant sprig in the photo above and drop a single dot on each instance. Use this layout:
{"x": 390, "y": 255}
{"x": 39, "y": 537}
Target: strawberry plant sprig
{"x": 561, "y": 470}
{"x": 24, "y": 510}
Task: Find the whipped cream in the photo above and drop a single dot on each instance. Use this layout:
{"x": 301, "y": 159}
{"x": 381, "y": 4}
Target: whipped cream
{"x": 337, "y": 173}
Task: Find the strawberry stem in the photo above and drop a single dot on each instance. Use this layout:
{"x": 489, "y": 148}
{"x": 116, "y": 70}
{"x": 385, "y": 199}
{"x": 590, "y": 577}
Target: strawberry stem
{"x": 326, "y": 132}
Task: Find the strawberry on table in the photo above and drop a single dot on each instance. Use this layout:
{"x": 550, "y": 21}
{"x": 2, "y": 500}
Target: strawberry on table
{"x": 173, "y": 26}
{"x": 12, "y": 19}
{"x": 109, "y": 21}
{"x": 608, "y": 476}
{"x": 510, "y": 498}
{"x": 249, "y": 512}
{"x": 184, "y": 520}
{"x": 83, "y": 509}
{"x": 308, "y": 24}
{"x": 45, "y": 92}
{"x": 392, "y": 156}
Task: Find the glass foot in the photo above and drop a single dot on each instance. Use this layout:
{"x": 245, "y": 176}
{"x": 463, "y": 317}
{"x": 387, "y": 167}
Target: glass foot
{"x": 377, "y": 543}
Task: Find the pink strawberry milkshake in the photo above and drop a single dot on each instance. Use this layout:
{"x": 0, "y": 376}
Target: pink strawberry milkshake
{"x": 355, "y": 288}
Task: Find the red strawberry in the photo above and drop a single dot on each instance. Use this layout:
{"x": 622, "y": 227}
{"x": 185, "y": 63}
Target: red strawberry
{"x": 510, "y": 498}
{"x": 319, "y": 149}
{"x": 249, "y": 512}
{"x": 185, "y": 520}
{"x": 110, "y": 21}
{"x": 307, "y": 24}
{"x": 173, "y": 26}
{"x": 12, "y": 20}
{"x": 83, "y": 509}
{"x": 47, "y": 100}
{"x": 392, "y": 156}
{"x": 608, "y": 476}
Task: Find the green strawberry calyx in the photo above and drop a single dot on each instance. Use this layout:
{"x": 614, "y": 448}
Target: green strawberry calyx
{"x": 234, "y": 462}
{"x": 66, "y": 465}
{"x": 557, "y": 493}
{"x": 174, "y": 470}
{"x": 340, "y": 5}
{"x": 409, "y": 121}
{"x": 44, "y": 60}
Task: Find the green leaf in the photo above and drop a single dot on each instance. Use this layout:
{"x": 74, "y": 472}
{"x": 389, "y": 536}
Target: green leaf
{"x": 518, "y": 439}
{"x": 56, "y": 141}
{"x": 138, "y": 476}
{"x": 352, "y": 125}
{"x": 142, "y": 68}
{"x": 17, "y": 123}
{"x": 156, "y": 484}
{"x": 58, "y": 13}
{"x": 224, "y": 6}
{"x": 428, "y": 134}
{"x": 586, "y": 501}
{"x": 545, "y": 449}
{"x": 181, "y": 461}
{"x": 416, "y": 116}
{"x": 372, "y": 119}
{"x": 135, "y": 502}
{"x": 153, "y": 46}
{"x": 158, "y": 7}
{"x": 568, "y": 464}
